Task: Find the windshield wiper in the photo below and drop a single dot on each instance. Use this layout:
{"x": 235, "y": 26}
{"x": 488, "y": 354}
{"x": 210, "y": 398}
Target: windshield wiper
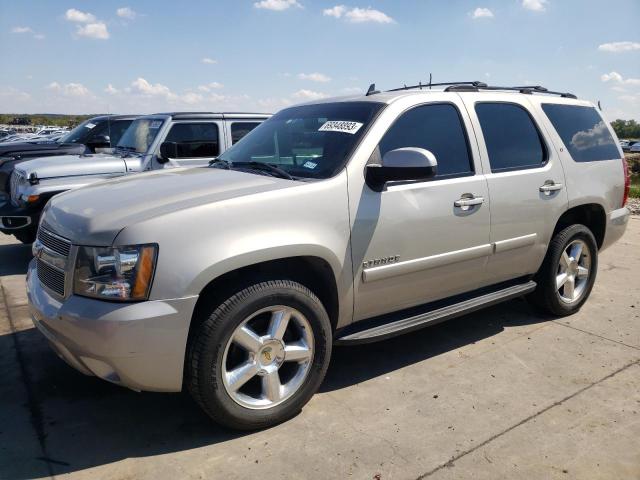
{"x": 265, "y": 167}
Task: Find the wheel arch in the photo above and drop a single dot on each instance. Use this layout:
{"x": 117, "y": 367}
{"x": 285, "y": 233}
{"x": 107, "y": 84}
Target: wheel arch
{"x": 591, "y": 215}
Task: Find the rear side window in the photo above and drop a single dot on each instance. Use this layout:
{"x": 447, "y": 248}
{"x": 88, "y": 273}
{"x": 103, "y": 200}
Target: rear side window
{"x": 512, "y": 139}
{"x": 437, "y": 128}
{"x": 240, "y": 129}
{"x": 583, "y": 132}
{"x": 195, "y": 139}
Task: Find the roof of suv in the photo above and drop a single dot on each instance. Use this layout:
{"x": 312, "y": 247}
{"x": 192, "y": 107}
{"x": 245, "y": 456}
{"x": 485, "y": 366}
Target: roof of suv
{"x": 390, "y": 96}
{"x": 199, "y": 115}
{"x": 100, "y": 118}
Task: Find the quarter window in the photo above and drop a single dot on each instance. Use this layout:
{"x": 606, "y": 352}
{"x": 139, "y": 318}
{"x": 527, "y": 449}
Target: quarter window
{"x": 240, "y": 129}
{"x": 437, "y": 128}
{"x": 583, "y": 132}
{"x": 195, "y": 139}
{"x": 512, "y": 139}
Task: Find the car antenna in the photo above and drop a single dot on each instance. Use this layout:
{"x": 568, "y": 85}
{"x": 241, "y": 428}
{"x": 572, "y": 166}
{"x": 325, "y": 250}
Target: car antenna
{"x": 430, "y": 77}
{"x": 599, "y": 106}
{"x": 372, "y": 90}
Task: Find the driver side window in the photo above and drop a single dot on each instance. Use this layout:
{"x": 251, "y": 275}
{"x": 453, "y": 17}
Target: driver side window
{"x": 437, "y": 128}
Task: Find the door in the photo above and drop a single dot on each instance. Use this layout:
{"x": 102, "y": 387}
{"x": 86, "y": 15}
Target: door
{"x": 416, "y": 242}
{"x": 198, "y": 142}
{"x": 526, "y": 182}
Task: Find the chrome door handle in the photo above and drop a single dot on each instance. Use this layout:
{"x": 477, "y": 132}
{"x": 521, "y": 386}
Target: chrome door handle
{"x": 467, "y": 202}
{"x": 550, "y": 187}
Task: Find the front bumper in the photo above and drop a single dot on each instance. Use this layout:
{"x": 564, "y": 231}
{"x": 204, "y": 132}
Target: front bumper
{"x": 17, "y": 218}
{"x": 138, "y": 345}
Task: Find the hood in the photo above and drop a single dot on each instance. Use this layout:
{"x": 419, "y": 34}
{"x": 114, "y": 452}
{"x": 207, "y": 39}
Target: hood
{"x": 32, "y": 148}
{"x": 73, "y": 165}
{"x": 94, "y": 215}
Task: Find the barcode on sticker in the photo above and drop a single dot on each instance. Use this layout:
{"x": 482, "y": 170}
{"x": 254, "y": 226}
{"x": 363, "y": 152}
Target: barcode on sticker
{"x": 155, "y": 124}
{"x": 340, "y": 126}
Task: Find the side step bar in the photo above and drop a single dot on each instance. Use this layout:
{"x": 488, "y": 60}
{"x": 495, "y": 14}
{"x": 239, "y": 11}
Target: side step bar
{"x": 415, "y": 322}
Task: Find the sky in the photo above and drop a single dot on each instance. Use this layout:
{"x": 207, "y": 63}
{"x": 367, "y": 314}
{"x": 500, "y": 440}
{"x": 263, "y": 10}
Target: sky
{"x": 82, "y": 57}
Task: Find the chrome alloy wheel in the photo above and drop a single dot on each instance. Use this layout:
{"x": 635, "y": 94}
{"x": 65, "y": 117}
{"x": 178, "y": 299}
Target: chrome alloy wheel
{"x": 268, "y": 357}
{"x": 572, "y": 276}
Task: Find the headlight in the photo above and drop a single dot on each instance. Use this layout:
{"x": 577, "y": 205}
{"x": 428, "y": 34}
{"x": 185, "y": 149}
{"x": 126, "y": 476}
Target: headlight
{"x": 122, "y": 273}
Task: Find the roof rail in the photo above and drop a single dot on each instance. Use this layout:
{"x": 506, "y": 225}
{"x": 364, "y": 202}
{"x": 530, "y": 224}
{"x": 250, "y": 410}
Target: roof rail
{"x": 439, "y": 84}
{"x": 527, "y": 89}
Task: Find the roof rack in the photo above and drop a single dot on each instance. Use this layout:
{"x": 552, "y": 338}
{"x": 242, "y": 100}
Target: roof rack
{"x": 475, "y": 86}
{"x": 527, "y": 89}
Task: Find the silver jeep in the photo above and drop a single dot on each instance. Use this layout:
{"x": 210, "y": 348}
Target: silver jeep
{"x": 340, "y": 221}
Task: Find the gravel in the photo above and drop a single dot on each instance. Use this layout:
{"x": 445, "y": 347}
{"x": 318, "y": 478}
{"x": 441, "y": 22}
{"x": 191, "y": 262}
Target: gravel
{"x": 633, "y": 204}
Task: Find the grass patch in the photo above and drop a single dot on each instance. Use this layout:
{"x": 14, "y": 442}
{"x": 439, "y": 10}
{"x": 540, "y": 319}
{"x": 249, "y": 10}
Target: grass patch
{"x": 634, "y": 192}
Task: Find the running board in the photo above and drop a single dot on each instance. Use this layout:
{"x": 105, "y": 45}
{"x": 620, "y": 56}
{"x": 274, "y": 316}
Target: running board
{"x": 415, "y": 322}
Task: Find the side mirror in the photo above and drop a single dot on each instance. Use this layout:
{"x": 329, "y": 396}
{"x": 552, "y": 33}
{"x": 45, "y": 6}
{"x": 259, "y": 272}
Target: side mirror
{"x": 402, "y": 164}
{"x": 168, "y": 150}
{"x": 99, "y": 141}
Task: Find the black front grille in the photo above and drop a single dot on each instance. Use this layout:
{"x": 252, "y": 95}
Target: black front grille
{"x": 54, "y": 243}
{"x": 50, "y": 277}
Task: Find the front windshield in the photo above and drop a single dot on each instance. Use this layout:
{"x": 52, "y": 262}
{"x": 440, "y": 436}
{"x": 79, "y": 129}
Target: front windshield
{"x": 78, "y": 134}
{"x": 310, "y": 141}
{"x": 140, "y": 134}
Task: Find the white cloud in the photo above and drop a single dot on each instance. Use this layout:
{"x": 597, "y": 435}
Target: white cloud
{"x": 358, "y": 15}
{"x": 39, "y": 36}
{"x": 596, "y": 136}
{"x": 126, "y": 12}
{"x": 535, "y": 5}
{"x": 21, "y": 30}
{"x": 336, "y": 11}
{"x": 617, "y": 47}
{"x": 209, "y": 61}
{"x": 69, "y": 89}
{"x": 308, "y": 95}
{"x": 93, "y": 30}
{"x": 277, "y": 5}
{"x": 74, "y": 15}
{"x": 143, "y": 87}
{"x": 210, "y": 86}
{"x": 314, "y": 77}
{"x": 615, "y": 77}
{"x": 481, "y": 12}
{"x": 111, "y": 90}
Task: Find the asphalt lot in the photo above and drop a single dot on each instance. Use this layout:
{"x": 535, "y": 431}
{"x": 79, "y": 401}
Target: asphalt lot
{"x": 502, "y": 393}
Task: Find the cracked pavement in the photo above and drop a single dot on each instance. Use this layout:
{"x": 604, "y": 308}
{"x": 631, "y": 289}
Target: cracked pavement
{"x": 501, "y": 393}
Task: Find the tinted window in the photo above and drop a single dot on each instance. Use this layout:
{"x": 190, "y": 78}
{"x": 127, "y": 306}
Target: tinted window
{"x": 582, "y": 131}
{"x": 437, "y": 128}
{"x": 240, "y": 129}
{"x": 115, "y": 129}
{"x": 512, "y": 139}
{"x": 81, "y": 133}
{"x": 195, "y": 139}
{"x": 310, "y": 141}
{"x": 140, "y": 134}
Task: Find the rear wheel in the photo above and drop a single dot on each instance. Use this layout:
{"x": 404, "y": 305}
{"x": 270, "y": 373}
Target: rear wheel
{"x": 568, "y": 272}
{"x": 260, "y": 356}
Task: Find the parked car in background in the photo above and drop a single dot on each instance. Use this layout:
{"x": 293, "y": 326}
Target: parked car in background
{"x": 89, "y": 137}
{"x": 634, "y": 147}
{"x": 344, "y": 221}
{"x": 151, "y": 142}
{"x": 627, "y": 144}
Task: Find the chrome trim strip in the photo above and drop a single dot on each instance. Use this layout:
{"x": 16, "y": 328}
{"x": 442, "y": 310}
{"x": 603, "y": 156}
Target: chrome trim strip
{"x": 4, "y": 227}
{"x": 516, "y": 242}
{"x": 425, "y": 263}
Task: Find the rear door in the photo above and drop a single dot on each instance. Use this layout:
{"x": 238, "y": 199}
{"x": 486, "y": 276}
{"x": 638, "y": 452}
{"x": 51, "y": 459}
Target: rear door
{"x": 526, "y": 181}
{"x": 198, "y": 141}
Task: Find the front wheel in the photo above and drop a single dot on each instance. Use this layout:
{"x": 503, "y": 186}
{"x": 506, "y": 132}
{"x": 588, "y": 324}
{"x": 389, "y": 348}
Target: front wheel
{"x": 568, "y": 272}
{"x": 260, "y": 356}
{"x": 26, "y": 235}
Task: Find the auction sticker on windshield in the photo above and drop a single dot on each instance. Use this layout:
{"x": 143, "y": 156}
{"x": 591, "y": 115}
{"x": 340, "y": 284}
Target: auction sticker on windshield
{"x": 155, "y": 124}
{"x": 340, "y": 126}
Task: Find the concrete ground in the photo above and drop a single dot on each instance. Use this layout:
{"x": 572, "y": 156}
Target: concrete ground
{"x": 502, "y": 393}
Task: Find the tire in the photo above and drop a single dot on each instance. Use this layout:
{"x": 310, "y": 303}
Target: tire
{"x": 215, "y": 350}
{"x": 564, "y": 300}
{"x": 26, "y": 236}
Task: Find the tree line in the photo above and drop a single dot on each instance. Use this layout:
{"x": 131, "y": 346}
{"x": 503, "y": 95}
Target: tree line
{"x": 626, "y": 129}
